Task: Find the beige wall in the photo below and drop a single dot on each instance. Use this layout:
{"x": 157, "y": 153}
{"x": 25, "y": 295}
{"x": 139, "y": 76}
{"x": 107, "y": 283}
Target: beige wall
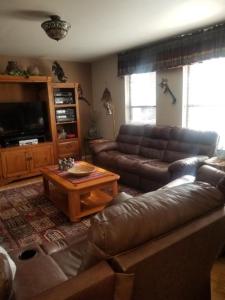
{"x": 79, "y": 72}
{"x": 104, "y": 73}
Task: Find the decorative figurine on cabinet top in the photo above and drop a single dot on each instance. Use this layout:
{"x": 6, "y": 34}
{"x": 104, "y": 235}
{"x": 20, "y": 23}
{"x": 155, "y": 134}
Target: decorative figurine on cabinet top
{"x": 58, "y": 72}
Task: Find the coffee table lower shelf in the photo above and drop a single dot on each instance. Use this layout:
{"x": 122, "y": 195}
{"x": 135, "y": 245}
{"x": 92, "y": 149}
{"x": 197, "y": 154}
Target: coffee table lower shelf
{"x": 90, "y": 203}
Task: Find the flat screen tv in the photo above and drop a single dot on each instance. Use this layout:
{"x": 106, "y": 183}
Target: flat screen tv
{"x": 22, "y": 120}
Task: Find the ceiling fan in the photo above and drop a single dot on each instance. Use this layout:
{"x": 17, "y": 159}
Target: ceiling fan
{"x": 55, "y": 27}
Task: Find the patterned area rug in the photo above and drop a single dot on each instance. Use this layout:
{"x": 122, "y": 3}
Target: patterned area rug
{"x": 27, "y": 217}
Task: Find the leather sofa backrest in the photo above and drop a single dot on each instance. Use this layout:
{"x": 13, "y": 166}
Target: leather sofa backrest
{"x": 165, "y": 142}
{"x": 155, "y": 141}
{"x": 125, "y": 226}
{"x": 185, "y": 143}
{"x": 129, "y": 138}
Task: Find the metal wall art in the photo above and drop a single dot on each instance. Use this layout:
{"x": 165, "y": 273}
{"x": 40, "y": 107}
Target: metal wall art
{"x": 58, "y": 72}
{"x": 107, "y": 101}
{"x": 164, "y": 85}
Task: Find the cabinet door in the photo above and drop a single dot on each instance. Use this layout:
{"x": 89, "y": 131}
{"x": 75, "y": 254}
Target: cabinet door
{"x": 41, "y": 156}
{"x": 15, "y": 163}
{"x": 68, "y": 149}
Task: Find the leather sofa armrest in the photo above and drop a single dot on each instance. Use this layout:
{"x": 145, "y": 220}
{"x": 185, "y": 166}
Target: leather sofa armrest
{"x": 210, "y": 175}
{"x": 186, "y": 166}
{"x": 179, "y": 181}
{"x": 98, "y": 281}
{"x": 104, "y": 146}
{"x": 221, "y": 185}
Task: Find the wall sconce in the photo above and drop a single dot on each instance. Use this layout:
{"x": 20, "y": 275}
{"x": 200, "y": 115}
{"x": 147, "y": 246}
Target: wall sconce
{"x": 164, "y": 85}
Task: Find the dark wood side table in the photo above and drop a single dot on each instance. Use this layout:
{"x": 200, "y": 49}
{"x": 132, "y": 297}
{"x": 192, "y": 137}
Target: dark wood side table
{"x": 216, "y": 162}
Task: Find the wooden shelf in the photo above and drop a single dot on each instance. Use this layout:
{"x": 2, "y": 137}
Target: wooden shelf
{"x": 67, "y": 140}
{"x": 63, "y": 123}
{"x": 65, "y": 105}
{"x": 22, "y": 79}
{"x": 95, "y": 198}
{"x": 17, "y": 147}
{"x": 67, "y": 146}
{"x": 64, "y": 85}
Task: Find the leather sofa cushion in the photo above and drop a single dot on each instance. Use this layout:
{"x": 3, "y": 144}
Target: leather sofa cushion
{"x": 36, "y": 275}
{"x": 128, "y": 164}
{"x": 155, "y": 169}
{"x": 186, "y": 143}
{"x": 131, "y": 129}
{"x": 176, "y": 151}
{"x": 157, "y": 132}
{"x": 124, "y": 226}
{"x": 132, "y": 148}
{"x": 208, "y": 138}
{"x": 78, "y": 257}
{"x": 129, "y": 138}
{"x": 155, "y": 141}
{"x": 109, "y": 158}
{"x": 121, "y": 161}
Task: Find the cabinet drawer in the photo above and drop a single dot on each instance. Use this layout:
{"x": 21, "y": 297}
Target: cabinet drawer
{"x": 68, "y": 148}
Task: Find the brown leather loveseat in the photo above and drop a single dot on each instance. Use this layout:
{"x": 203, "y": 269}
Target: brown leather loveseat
{"x": 148, "y": 157}
{"x": 160, "y": 245}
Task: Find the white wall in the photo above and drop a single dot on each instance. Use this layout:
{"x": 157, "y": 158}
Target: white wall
{"x": 104, "y": 74}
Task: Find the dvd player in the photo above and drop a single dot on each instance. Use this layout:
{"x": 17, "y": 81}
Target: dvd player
{"x": 14, "y": 141}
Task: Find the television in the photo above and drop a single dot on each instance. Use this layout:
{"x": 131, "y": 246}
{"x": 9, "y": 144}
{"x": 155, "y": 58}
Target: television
{"x": 23, "y": 120}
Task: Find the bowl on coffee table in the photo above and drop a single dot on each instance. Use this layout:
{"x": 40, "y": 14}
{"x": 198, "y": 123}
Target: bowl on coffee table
{"x": 79, "y": 170}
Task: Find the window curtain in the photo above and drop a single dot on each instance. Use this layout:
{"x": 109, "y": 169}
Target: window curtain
{"x": 181, "y": 50}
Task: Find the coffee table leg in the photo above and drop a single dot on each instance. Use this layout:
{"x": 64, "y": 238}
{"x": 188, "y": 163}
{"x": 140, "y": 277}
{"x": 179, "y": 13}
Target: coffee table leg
{"x": 46, "y": 186}
{"x": 114, "y": 189}
{"x": 74, "y": 206}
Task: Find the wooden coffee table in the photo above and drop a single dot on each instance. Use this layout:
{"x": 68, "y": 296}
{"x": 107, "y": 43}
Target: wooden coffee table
{"x": 81, "y": 198}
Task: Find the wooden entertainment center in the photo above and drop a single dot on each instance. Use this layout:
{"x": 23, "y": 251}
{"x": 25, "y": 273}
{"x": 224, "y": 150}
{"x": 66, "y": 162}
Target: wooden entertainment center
{"x": 62, "y": 136}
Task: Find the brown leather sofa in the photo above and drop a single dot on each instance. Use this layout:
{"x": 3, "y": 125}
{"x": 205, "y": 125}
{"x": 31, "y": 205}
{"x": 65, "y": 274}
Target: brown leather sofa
{"x": 148, "y": 157}
{"x": 167, "y": 241}
{"x": 160, "y": 245}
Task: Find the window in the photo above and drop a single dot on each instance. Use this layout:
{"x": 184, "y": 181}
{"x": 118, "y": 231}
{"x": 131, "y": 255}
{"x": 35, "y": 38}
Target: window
{"x": 141, "y": 98}
{"x": 205, "y": 97}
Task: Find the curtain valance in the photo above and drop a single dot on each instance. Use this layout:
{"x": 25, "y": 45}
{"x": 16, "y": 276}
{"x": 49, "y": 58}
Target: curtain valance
{"x": 178, "y": 51}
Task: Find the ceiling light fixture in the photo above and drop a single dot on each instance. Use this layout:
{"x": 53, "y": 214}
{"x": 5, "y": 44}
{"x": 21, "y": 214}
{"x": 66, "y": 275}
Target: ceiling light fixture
{"x": 56, "y": 28}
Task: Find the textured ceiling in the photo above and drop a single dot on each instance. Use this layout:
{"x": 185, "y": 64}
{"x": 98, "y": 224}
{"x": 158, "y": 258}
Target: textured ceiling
{"x": 99, "y": 27}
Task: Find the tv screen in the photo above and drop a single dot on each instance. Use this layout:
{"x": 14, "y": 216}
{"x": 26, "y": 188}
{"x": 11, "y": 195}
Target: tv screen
{"x": 22, "y": 118}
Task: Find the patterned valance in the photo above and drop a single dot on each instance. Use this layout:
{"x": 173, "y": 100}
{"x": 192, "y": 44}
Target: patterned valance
{"x": 178, "y": 51}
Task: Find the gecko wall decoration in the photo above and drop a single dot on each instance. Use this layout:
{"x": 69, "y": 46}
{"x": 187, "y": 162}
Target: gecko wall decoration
{"x": 164, "y": 85}
{"x": 81, "y": 95}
